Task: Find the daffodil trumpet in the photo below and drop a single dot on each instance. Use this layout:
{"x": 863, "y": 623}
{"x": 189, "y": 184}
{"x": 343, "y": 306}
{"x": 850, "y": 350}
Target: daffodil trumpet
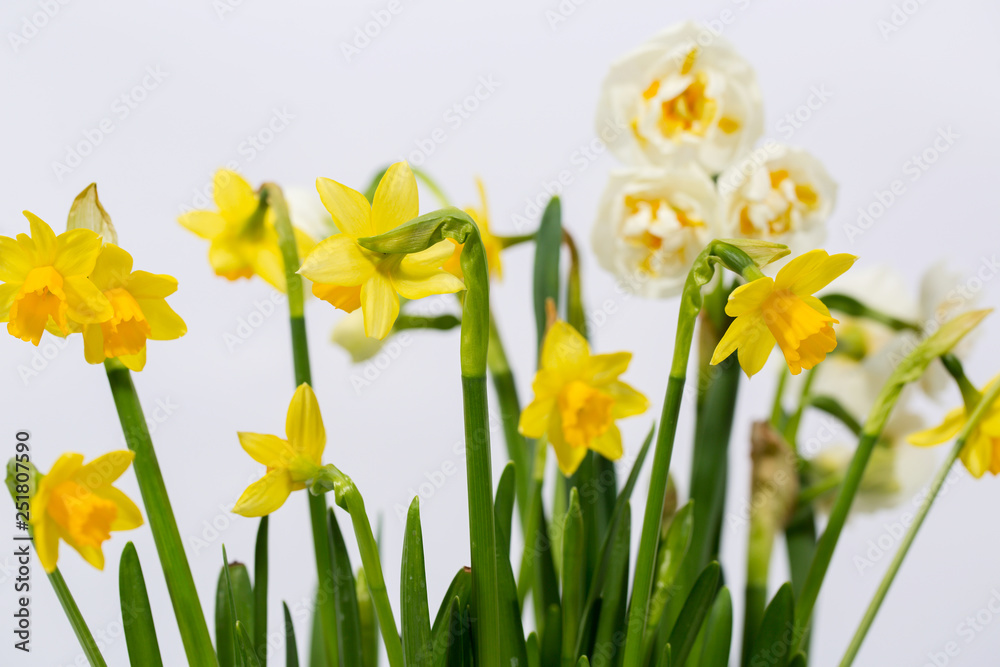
{"x": 981, "y": 409}
{"x": 420, "y": 234}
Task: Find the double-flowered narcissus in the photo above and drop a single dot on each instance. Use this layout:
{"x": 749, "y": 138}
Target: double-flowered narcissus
{"x": 244, "y": 240}
{"x": 350, "y": 276}
{"x": 45, "y": 283}
{"x": 783, "y": 310}
{"x": 578, "y": 397}
{"x": 290, "y": 462}
{"x": 982, "y": 448}
{"x": 77, "y": 504}
{"x": 141, "y": 313}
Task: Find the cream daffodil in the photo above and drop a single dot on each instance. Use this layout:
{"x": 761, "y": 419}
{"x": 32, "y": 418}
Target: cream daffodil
{"x": 491, "y": 244}
{"x": 290, "y": 462}
{"x": 350, "y": 276}
{"x": 140, "y": 311}
{"x": 244, "y": 240}
{"x": 578, "y": 398}
{"x": 783, "y": 310}
{"x": 77, "y": 504}
{"x": 982, "y": 448}
{"x": 45, "y": 283}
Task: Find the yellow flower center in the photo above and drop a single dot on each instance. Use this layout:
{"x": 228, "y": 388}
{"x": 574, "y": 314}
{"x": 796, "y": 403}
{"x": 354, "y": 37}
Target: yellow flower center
{"x": 40, "y": 297}
{"x": 653, "y": 224}
{"x": 86, "y": 517}
{"x": 585, "y": 413}
{"x": 804, "y": 334}
{"x": 781, "y": 209}
{"x": 127, "y": 330}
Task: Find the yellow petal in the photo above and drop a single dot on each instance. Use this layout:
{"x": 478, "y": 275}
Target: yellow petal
{"x": 609, "y": 444}
{"x": 535, "y": 418}
{"x": 749, "y": 297}
{"x": 14, "y": 261}
{"x": 753, "y": 353}
{"x": 76, "y": 252}
{"x": 104, "y": 469}
{"x": 65, "y": 467}
{"x": 338, "y": 260}
{"x": 7, "y": 293}
{"x": 395, "y": 200}
{"x": 129, "y": 517}
{"x": 628, "y": 401}
{"x": 304, "y": 424}
{"x": 380, "y": 306}
{"x": 93, "y": 344}
{"x": 134, "y": 362}
{"x": 812, "y": 271}
{"x": 432, "y": 258}
{"x": 46, "y": 540}
{"x": 604, "y": 368}
{"x": 348, "y": 299}
{"x": 945, "y": 431}
{"x": 112, "y": 268}
{"x": 564, "y": 348}
{"x": 977, "y": 455}
{"x": 417, "y": 283}
{"x": 265, "y": 495}
{"x": 349, "y": 209}
{"x": 164, "y": 323}
{"x": 43, "y": 240}
{"x": 86, "y": 304}
{"x": 93, "y": 555}
{"x": 145, "y": 285}
{"x": 270, "y": 450}
{"x": 234, "y": 196}
{"x": 568, "y": 457}
{"x": 228, "y": 261}
{"x": 206, "y": 224}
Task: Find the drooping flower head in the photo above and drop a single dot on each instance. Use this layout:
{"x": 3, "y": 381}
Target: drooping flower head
{"x": 244, "y": 240}
{"x": 45, "y": 283}
{"x": 684, "y": 93}
{"x": 350, "y": 276}
{"x": 783, "y": 310}
{"x": 141, "y": 313}
{"x": 77, "y": 504}
{"x": 982, "y": 448}
{"x": 491, "y": 244}
{"x": 578, "y": 398}
{"x": 290, "y": 462}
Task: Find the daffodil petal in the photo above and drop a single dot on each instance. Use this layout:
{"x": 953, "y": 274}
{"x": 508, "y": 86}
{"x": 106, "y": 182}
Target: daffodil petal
{"x": 270, "y": 450}
{"x": 265, "y": 495}
{"x": 943, "y": 432}
{"x": 233, "y": 195}
{"x": 104, "y": 469}
{"x": 432, "y": 258}
{"x": 395, "y": 200}
{"x": 43, "y": 240}
{"x": 85, "y": 303}
{"x": 14, "y": 261}
{"x": 76, "y": 252}
{"x": 604, "y": 368}
{"x": 812, "y": 271}
{"x": 134, "y": 362}
{"x": 112, "y": 268}
{"x": 347, "y": 299}
{"x": 129, "y": 516}
{"x": 206, "y": 224}
{"x": 339, "y": 260}
{"x": 268, "y": 264}
{"x": 749, "y": 297}
{"x": 535, "y": 417}
{"x": 977, "y": 454}
{"x": 7, "y": 293}
{"x": 564, "y": 347}
{"x": 93, "y": 344}
{"x": 417, "y": 284}
{"x": 568, "y": 457}
{"x": 164, "y": 323}
{"x": 227, "y": 261}
{"x": 609, "y": 444}
{"x": 628, "y": 401}
{"x": 304, "y": 424}
{"x": 351, "y": 212}
{"x": 380, "y": 305}
{"x": 45, "y": 534}
{"x": 145, "y": 285}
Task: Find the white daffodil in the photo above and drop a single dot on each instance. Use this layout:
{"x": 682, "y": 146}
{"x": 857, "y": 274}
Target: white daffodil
{"x": 778, "y": 194}
{"x": 349, "y": 333}
{"x": 652, "y": 223}
{"x": 684, "y": 93}
{"x": 307, "y": 212}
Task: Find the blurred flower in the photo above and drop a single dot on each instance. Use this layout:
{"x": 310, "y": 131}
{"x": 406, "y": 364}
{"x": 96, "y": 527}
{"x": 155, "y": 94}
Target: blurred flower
{"x": 244, "y": 240}
{"x": 651, "y": 224}
{"x": 681, "y": 96}
{"x": 45, "y": 284}
{"x": 578, "y": 397}
{"x": 491, "y": 244}
{"x": 943, "y": 296}
{"x": 783, "y": 311}
{"x": 349, "y": 276}
{"x": 140, "y": 311}
{"x": 349, "y": 333}
{"x": 786, "y": 199}
{"x": 290, "y": 463}
{"x": 982, "y": 449}
{"x": 308, "y": 213}
{"x": 77, "y": 504}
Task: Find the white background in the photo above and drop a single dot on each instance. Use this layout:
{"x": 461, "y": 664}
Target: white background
{"x": 225, "y": 76}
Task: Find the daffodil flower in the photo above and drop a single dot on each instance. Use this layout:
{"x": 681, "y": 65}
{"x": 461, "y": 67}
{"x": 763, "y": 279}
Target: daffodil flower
{"x": 140, "y": 310}
{"x": 350, "y": 276}
{"x": 244, "y": 240}
{"x": 783, "y": 310}
{"x": 578, "y": 397}
{"x": 491, "y": 244}
{"x": 77, "y": 504}
{"x": 982, "y": 448}
{"x": 45, "y": 284}
{"x": 290, "y": 462}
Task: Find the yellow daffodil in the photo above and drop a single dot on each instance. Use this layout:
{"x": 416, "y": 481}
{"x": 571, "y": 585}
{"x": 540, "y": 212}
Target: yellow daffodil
{"x": 45, "y": 284}
{"x": 291, "y": 462}
{"x": 350, "y": 276}
{"x": 982, "y": 448}
{"x": 244, "y": 241}
{"x": 491, "y": 244}
{"x": 77, "y": 504}
{"x": 578, "y": 397}
{"x": 140, "y": 310}
{"x": 783, "y": 310}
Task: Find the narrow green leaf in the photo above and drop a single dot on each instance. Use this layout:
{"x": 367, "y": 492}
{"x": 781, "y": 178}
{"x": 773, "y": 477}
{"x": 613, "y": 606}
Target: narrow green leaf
{"x": 448, "y": 647}
{"x": 548, "y": 241}
{"x": 583, "y": 662}
{"x": 696, "y": 609}
{"x": 344, "y": 596}
{"x": 673, "y": 550}
{"x": 369, "y": 623}
{"x": 415, "y": 621}
{"x": 666, "y": 657}
{"x": 503, "y": 509}
{"x": 137, "y": 617}
{"x": 614, "y": 602}
{"x": 225, "y": 617}
{"x": 798, "y": 661}
{"x": 551, "y": 641}
{"x": 246, "y": 646}
{"x": 718, "y": 632}
{"x": 512, "y": 647}
{"x": 260, "y": 592}
{"x": 461, "y": 588}
{"x": 573, "y": 573}
{"x": 772, "y": 645}
{"x": 291, "y": 648}
{"x": 537, "y": 558}
{"x": 534, "y": 655}
{"x": 317, "y": 648}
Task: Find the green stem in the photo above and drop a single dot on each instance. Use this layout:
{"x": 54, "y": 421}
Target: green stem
{"x": 982, "y": 407}
{"x": 792, "y": 428}
{"x": 777, "y": 412}
{"x": 76, "y": 620}
{"x": 176, "y": 571}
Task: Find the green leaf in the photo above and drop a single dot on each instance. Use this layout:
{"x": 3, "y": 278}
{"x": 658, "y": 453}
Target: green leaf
{"x": 673, "y": 550}
{"x": 798, "y": 661}
{"x": 247, "y": 653}
{"x": 369, "y": 624}
{"x": 344, "y": 596}
{"x": 503, "y": 510}
{"x": 512, "y": 647}
{"x": 137, "y": 617}
{"x": 718, "y": 632}
{"x": 613, "y": 604}
{"x": 317, "y": 648}
{"x": 548, "y": 241}
{"x": 234, "y": 602}
{"x": 291, "y": 647}
{"x": 771, "y": 645}
{"x": 534, "y": 657}
{"x": 260, "y": 592}
{"x": 573, "y": 574}
{"x": 583, "y": 662}
{"x": 666, "y": 659}
{"x": 416, "y": 623}
{"x": 551, "y": 642}
{"x": 461, "y": 588}
{"x": 694, "y": 613}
